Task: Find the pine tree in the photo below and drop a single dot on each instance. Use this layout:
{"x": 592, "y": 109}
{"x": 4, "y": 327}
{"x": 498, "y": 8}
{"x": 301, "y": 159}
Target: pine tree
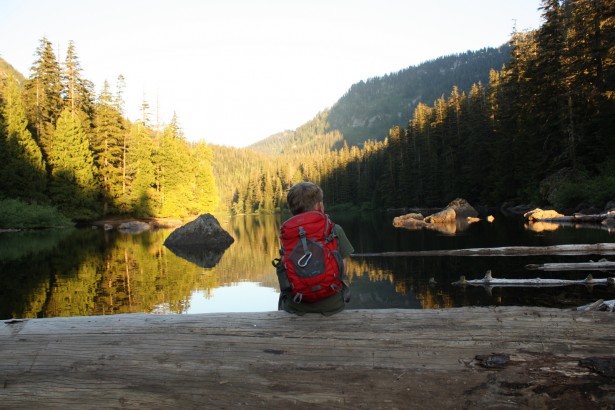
{"x": 78, "y": 92}
{"x": 43, "y": 92}
{"x": 206, "y": 190}
{"x": 589, "y": 76}
{"x": 546, "y": 112}
{"x": 176, "y": 179}
{"x": 24, "y": 173}
{"x": 73, "y": 185}
{"x": 107, "y": 145}
{"x": 140, "y": 191}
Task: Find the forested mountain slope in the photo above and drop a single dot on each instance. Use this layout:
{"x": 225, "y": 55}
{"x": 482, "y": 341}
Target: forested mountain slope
{"x": 370, "y": 108}
{"x": 7, "y": 70}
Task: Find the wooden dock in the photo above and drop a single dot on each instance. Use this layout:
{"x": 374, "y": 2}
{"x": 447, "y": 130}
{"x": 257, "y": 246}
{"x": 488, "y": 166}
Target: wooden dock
{"x": 463, "y": 358}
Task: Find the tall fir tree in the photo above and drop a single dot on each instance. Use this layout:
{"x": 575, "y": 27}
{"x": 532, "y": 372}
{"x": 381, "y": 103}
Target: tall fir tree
{"x": 78, "y": 93}
{"x": 140, "y": 173}
{"x": 107, "y": 145}
{"x": 206, "y": 191}
{"x": 73, "y": 185}
{"x": 175, "y": 176}
{"x": 25, "y": 173}
{"x": 43, "y": 95}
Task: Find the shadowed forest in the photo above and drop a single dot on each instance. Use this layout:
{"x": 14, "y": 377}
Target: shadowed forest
{"x": 538, "y": 128}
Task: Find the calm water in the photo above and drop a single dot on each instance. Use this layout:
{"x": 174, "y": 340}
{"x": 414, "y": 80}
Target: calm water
{"x": 83, "y": 272}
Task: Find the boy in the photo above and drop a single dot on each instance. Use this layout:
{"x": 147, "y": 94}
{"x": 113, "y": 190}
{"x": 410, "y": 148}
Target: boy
{"x": 308, "y": 197}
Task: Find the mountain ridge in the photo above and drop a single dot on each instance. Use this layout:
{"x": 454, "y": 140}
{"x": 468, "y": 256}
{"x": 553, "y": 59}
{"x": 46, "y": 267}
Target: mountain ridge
{"x": 370, "y": 108}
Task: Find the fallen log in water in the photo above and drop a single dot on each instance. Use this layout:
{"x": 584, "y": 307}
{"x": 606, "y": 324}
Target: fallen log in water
{"x": 577, "y": 249}
{"x": 489, "y": 280}
{"x": 602, "y": 265}
{"x": 578, "y": 218}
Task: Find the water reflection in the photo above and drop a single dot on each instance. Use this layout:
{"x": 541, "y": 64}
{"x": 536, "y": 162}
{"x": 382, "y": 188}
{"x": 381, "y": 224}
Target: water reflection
{"x": 205, "y": 258}
{"x": 95, "y": 272}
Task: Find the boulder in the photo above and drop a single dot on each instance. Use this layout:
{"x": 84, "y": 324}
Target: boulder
{"x": 609, "y": 222}
{"x": 445, "y": 216}
{"x": 204, "y": 233}
{"x": 538, "y": 214}
{"x": 462, "y": 208}
{"x": 133, "y": 227}
{"x": 550, "y": 186}
{"x": 412, "y": 220}
{"x": 202, "y": 241}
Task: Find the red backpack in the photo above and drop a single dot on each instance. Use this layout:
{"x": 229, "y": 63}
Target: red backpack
{"x": 310, "y": 257}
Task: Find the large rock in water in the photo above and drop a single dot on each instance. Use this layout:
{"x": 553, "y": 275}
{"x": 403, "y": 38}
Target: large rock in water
{"x": 202, "y": 241}
{"x": 456, "y": 209}
{"x": 538, "y": 214}
{"x": 463, "y": 209}
{"x": 413, "y": 220}
{"x": 445, "y": 216}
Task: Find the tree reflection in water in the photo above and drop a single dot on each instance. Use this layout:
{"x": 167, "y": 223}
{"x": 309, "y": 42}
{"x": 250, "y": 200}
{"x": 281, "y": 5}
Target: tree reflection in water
{"x": 85, "y": 272}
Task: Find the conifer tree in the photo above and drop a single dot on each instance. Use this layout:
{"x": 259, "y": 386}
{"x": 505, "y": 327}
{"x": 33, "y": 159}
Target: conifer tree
{"x": 107, "y": 145}
{"x": 78, "y": 93}
{"x": 175, "y": 174}
{"x": 140, "y": 172}
{"x": 43, "y": 92}
{"x": 24, "y": 168}
{"x": 206, "y": 190}
{"x": 73, "y": 185}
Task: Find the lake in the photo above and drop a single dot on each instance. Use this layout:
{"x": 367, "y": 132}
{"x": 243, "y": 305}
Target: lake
{"x": 83, "y": 272}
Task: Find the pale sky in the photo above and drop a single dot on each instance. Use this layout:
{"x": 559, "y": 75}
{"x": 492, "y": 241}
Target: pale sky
{"x": 238, "y": 71}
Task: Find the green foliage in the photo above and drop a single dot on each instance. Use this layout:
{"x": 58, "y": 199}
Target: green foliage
{"x": 459, "y": 126}
{"x": 43, "y": 95}
{"x": 370, "y": 108}
{"x": 16, "y": 214}
{"x": 596, "y": 191}
{"x": 57, "y": 143}
{"x": 108, "y": 149}
{"x": 22, "y": 168}
{"x": 73, "y": 187}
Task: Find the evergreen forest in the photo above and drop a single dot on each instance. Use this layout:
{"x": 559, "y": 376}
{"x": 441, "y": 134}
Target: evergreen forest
{"x": 63, "y": 146}
{"x": 531, "y": 121}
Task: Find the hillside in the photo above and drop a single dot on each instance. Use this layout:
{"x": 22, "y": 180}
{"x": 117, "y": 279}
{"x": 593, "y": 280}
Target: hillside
{"x": 6, "y": 69}
{"x": 370, "y": 108}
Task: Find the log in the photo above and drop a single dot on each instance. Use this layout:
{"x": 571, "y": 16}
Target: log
{"x": 489, "y": 280}
{"x": 580, "y": 249}
{"x": 578, "y": 218}
{"x": 598, "y": 266}
{"x": 592, "y": 306}
{"x": 372, "y": 359}
{"x": 608, "y": 305}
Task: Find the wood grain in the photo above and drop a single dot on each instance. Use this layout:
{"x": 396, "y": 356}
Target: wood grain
{"x": 363, "y": 359}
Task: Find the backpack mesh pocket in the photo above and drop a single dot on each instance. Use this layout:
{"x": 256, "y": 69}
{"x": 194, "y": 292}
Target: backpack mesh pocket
{"x": 308, "y": 263}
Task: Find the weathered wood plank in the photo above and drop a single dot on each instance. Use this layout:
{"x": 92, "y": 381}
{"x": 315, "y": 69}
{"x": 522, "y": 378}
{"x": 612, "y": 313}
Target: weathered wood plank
{"x": 580, "y": 249}
{"x": 356, "y": 359}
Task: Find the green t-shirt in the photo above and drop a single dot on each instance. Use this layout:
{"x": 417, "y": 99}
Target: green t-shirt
{"x": 343, "y": 243}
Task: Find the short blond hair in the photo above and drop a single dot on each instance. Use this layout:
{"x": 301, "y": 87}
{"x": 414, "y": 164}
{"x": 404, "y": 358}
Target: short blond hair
{"x": 303, "y": 197}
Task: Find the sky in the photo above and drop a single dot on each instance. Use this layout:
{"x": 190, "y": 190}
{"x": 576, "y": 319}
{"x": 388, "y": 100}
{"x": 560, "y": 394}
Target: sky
{"x": 237, "y": 71}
